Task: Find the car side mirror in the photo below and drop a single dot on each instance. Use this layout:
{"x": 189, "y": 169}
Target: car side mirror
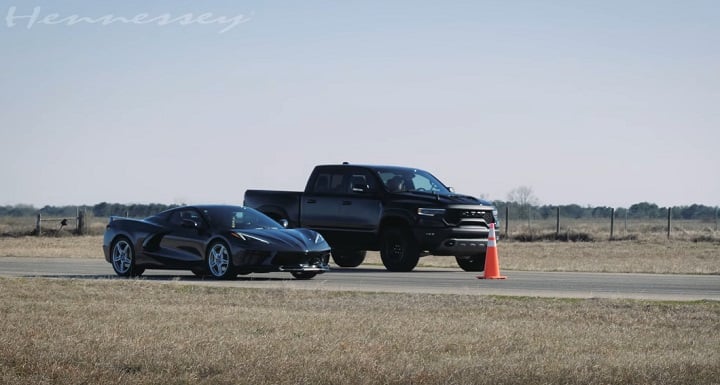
{"x": 284, "y": 223}
{"x": 452, "y": 190}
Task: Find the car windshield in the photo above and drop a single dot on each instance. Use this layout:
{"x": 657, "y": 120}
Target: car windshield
{"x": 411, "y": 180}
{"x": 239, "y": 218}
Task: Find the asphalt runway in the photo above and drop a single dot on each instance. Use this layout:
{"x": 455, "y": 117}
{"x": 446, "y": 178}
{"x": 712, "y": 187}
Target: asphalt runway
{"x": 421, "y": 280}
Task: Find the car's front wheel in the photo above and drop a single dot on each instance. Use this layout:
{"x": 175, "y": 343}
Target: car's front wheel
{"x": 218, "y": 261}
{"x": 123, "y": 258}
{"x": 399, "y": 251}
{"x": 472, "y": 263}
{"x": 347, "y": 258}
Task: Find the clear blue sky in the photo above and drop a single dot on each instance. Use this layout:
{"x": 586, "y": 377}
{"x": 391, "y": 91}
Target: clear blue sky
{"x": 591, "y": 102}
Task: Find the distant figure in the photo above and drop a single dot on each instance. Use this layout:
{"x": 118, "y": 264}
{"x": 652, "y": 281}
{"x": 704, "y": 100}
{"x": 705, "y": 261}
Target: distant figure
{"x": 396, "y": 184}
{"x": 63, "y": 223}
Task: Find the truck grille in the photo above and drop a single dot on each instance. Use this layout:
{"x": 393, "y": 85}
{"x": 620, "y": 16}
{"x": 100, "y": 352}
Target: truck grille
{"x": 460, "y": 217}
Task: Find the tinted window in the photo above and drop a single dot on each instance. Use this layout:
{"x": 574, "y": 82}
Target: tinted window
{"x": 329, "y": 183}
{"x": 176, "y": 217}
{"x": 237, "y": 217}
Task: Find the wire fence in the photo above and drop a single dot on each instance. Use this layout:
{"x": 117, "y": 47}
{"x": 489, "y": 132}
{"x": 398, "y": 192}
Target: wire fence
{"x": 523, "y": 227}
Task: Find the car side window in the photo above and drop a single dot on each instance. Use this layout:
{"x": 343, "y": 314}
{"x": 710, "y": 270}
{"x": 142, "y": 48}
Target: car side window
{"x": 176, "y": 218}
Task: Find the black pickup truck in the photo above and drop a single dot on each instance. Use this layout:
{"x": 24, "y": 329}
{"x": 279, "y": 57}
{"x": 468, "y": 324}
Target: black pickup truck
{"x": 404, "y": 213}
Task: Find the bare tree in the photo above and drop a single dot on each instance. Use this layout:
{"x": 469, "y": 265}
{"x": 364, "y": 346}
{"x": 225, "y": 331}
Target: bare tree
{"x": 525, "y": 198}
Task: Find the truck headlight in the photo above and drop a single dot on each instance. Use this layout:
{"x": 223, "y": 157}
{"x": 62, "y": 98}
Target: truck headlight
{"x": 430, "y": 212}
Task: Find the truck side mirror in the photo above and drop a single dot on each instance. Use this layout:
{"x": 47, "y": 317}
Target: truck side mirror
{"x": 360, "y": 188}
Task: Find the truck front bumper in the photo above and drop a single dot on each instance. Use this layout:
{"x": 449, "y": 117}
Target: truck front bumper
{"x": 457, "y": 241}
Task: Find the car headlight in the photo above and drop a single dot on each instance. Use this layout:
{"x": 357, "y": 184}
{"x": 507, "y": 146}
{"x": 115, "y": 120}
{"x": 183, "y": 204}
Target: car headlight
{"x": 245, "y": 237}
{"x": 430, "y": 212}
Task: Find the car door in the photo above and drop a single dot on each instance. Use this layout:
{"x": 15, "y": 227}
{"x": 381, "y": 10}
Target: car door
{"x": 184, "y": 244}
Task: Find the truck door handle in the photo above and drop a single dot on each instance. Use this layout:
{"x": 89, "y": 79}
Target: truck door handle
{"x": 311, "y": 201}
{"x": 346, "y": 203}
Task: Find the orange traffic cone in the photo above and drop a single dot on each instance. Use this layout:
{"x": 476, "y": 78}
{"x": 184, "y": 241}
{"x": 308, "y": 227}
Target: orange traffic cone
{"x": 492, "y": 266}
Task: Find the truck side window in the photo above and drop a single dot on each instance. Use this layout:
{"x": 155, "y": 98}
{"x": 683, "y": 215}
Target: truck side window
{"x": 329, "y": 183}
{"x": 322, "y": 184}
{"x": 361, "y": 181}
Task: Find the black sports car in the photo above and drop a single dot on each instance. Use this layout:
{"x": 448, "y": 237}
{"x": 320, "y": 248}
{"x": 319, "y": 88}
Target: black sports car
{"x": 214, "y": 240}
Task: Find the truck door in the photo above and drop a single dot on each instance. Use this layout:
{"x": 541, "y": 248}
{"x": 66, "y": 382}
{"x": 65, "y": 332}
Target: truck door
{"x": 344, "y": 205}
{"x": 320, "y": 205}
{"x": 360, "y": 208}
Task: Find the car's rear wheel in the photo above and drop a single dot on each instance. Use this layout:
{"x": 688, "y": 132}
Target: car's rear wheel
{"x": 399, "y": 250}
{"x": 348, "y": 258}
{"x": 218, "y": 261}
{"x": 123, "y": 258}
{"x": 303, "y": 274}
{"x": 471, "y": 263}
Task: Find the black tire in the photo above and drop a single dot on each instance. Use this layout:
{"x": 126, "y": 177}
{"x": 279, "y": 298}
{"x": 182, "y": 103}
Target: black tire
{"x": 123, "y": 258}
{"x": 472, "y": 263}
{"x": 347, "y": 258}
{"x": 303, "y": 274}
{"x": 219, "y": 261}
{"x": 399, "y": 251}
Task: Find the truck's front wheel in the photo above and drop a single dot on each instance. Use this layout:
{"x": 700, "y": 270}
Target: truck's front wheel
{"x": 347, "y": 258}
{"x": 472, "y": 263}
{"x": 399, "y": 251}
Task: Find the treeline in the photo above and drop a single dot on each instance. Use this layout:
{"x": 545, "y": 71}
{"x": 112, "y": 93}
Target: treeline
{"x": 103, "y": 209}
{"x": 643, "y": 210}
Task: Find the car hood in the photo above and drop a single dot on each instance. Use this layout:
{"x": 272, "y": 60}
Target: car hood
{"x": 441, "y": 199}
{"x": 284, "y": 239}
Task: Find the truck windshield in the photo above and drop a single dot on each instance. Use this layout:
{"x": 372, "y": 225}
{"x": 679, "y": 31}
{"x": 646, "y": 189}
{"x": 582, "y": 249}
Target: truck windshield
{"x": 411, "y": 180}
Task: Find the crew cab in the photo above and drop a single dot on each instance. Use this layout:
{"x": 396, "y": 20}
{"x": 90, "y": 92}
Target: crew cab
{"x": 403, "y": 212}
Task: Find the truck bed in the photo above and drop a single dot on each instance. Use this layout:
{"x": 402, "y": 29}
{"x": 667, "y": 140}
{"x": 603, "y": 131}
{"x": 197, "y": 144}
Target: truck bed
{"x": 276, "y": 204}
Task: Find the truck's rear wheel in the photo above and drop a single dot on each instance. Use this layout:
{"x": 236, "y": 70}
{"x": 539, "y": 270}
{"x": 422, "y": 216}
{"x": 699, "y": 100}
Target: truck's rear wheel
{"x": 348, "y": 258}
{"x": 472, "y": 263}
{"x": 399, "y": 251}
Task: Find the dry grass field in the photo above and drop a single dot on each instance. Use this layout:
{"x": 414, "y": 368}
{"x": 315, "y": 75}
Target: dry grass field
{"x": 138, "y": 332}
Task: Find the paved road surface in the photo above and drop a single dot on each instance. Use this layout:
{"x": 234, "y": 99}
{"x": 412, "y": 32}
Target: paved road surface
{"x": 422, "y": 280}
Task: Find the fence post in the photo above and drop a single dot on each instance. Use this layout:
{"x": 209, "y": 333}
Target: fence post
{"x": 612, "y": 222}
{"x": 557, "y": 222}
{"x": 626, "y": 215}
{"x": 507, "y": 221}
{"x": 37, "y": 225}
{"x": 668, "y": 228}
{"x": 81, "y": 223}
